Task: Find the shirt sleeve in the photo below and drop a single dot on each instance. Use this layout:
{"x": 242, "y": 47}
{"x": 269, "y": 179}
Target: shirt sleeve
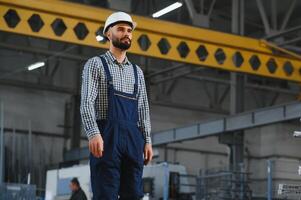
{"x": 89, "y": 91}
{"x": 143, "y": 108}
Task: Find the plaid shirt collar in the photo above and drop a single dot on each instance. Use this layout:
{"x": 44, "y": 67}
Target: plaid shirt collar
{"x": 113, "y": 59}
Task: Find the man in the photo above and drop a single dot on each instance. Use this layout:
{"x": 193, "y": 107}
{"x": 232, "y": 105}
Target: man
{"x": 115, "y": 115}
{"x": 77, "y": 192}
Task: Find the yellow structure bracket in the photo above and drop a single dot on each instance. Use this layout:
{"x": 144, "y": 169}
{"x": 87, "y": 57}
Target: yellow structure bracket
{"x": 280, "y": 49}
{"x": 76, "y": 23}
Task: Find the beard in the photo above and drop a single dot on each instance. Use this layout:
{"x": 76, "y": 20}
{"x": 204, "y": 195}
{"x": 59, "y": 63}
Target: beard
{"x": 121, "y": 45}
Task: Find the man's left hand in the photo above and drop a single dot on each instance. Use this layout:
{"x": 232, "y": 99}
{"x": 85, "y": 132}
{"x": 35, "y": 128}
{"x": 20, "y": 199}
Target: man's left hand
{"x": 148, "y": 153}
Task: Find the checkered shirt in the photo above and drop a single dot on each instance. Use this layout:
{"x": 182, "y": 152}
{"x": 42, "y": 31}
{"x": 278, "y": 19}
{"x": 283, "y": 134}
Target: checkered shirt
{"x": 94, "y": 98}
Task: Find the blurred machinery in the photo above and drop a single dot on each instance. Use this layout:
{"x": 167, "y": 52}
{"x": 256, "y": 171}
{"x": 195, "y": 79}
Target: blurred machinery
{"x": 167, "y": 182}
{"x": 11, "y": 191}
{"x": 160, "y": 182}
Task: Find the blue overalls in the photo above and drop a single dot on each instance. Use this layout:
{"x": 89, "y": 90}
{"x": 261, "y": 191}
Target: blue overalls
{"x": 119, "y": 171}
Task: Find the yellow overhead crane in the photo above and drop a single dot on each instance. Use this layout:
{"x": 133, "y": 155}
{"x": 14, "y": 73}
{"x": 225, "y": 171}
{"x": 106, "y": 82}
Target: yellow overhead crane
{"x": 79, "y": 24}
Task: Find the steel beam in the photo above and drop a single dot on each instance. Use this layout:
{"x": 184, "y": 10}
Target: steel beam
{"x": 272, "y": 89}
{"x": 175, "y": 76}
{"x": 247, "y": 85}
{"x": 288, "y": 14}
{"x": 216, "y": 153}
{"x": 43, "y": 51}
{"x": 237, "y": 122}
{"x": 190, "y": 107}
{"x": 247, "y": 120}
{"x": 211, "y": 8}
{"x": 281, "y": 33}
{"x": 160, "y": 72}
{"x": 236, "y": 93}
{"x": 203, "y": 47}
{"x": 37, "y": 133}
{"x": 292, "y": 41}
{"x": 274, "y": 13}
{"x": 2, "y": 144}
{"x": 36, "y": 86}
{"x": 270, "y": 179}
{"x": 264, "y": 17}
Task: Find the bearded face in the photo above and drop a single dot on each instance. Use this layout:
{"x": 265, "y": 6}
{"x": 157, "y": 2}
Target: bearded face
{"x": 121, "y": 36}
{"x": 121, "y": 43}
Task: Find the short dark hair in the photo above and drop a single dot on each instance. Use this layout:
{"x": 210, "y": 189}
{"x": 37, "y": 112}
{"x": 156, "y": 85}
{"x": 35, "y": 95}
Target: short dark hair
{"x": 75, "y": 181}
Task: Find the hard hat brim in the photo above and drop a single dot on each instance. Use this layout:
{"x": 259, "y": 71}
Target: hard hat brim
{"x": 132, "y": 24}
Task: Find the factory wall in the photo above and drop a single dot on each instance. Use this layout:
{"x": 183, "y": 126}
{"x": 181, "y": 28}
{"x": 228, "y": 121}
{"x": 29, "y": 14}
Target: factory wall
{"x": 40, "y": 112}
{"x": 46, "y": 111}
{"x": 275, "y": 143}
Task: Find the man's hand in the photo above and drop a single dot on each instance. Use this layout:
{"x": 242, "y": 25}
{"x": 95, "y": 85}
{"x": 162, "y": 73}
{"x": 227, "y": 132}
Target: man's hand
{"x": 96, "y": 146}
{"x": 148, "y": 153}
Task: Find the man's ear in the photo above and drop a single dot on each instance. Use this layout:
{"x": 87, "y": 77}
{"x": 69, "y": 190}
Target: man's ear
{"x": 108, "y": 34}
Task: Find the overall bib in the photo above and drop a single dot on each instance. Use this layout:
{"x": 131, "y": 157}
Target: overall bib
{"x": 118, "y": 173}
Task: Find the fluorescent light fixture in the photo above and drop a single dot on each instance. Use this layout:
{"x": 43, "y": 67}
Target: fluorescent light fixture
{"x": 167, "y": 9}
{"x": 100, "y": 38}
{"x": 35, "y": 66}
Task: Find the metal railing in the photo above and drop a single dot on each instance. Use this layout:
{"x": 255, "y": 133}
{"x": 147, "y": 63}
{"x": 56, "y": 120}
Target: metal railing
{"x": 10, "y": 191}
{"x": 223, "y": 184}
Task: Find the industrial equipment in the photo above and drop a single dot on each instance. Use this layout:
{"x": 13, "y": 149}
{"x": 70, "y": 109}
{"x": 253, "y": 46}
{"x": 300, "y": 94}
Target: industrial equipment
{"x": 160, "y": 182}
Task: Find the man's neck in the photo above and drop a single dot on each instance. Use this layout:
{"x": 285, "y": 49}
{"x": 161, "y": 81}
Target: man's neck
{"x": 118, "y": 54}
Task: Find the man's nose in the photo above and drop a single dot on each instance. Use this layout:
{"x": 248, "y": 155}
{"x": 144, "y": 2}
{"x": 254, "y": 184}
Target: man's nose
{"x": 127, "y": 34}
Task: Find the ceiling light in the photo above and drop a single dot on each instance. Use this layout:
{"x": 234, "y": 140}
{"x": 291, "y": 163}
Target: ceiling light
{"x": 35, "y": 66}
{"x": 100, "y": 38}
{"x": 167, "y": 9}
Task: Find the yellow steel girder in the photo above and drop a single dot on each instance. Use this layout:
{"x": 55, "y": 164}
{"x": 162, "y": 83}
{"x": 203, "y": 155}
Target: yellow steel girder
{"x": 75, "y": 23}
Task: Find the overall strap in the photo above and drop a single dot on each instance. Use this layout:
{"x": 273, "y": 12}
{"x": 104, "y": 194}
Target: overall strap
{"x": 107, "y": 71}
{"x": 136, "y": 79}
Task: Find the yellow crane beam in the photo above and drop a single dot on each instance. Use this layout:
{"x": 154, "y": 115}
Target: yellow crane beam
{"x": 75, "y": 23}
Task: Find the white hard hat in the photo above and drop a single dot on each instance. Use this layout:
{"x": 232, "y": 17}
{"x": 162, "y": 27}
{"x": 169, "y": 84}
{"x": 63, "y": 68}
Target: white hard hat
{"x": 118, "y": 17}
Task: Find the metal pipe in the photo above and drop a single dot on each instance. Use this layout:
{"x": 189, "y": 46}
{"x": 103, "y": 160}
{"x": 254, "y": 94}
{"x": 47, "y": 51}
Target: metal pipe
{"x": 29, "y": 152}
{"x": 166, "y": 70}
{"x": 297, "y": 39}
{"x": 270, "y": 37}
{"x": 46, "y": 52}
{"x": 177, "y": 76}
{"x": 247, "y": 85}
{"x": 263, "y": 16}
{"x": 288, "y": 14}
{"x": 14, "y": 153}
{"x": 2, "y": 165}
{"x": 196, "y": 151}
{"x": 190, "y": 107}
{"x": 269, "y": 172}
{"x": 38, "y": 133}
{"x": 35, "y": 86}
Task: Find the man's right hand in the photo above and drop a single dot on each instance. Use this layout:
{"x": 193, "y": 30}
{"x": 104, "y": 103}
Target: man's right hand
{"x": 96, "y": 146}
